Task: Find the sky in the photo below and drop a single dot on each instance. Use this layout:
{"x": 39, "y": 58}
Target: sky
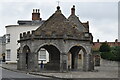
{"x": 102, "y": 15}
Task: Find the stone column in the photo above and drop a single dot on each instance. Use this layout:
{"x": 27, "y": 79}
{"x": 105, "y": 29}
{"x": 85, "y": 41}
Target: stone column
{"x": 88, "y": 63}
{"x": 32, "y": 61}
{"x": 63, "y": 62}
{"x": 36, "y": 65}
{"x": 91, "y": 62}
{"x": 21, "y": 62}
{"x": 75, "y": 61}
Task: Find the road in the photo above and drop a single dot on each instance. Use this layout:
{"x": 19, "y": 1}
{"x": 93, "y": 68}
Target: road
{"x": 10, "y": 75}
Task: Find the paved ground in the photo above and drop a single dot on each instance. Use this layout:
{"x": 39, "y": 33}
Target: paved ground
{"x": 9, "y": 74}
{"x": 108, "y": 69}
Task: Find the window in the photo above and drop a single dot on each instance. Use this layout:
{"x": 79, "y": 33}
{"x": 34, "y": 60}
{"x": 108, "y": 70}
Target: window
{"x": 42, "y": 54}
{"x": 8, "y": 54}
{"x": 7, "y": 38}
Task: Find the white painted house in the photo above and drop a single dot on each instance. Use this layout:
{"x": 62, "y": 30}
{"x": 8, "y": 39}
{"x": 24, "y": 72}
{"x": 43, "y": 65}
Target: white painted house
{"x": 13, "y": 34}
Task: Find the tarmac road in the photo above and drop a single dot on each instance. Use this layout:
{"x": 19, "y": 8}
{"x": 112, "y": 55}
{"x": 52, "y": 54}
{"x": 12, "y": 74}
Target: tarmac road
{"x": 10, "y": 75}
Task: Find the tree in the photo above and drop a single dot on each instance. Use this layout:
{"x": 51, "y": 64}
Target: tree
{"x": 104, "y": 47}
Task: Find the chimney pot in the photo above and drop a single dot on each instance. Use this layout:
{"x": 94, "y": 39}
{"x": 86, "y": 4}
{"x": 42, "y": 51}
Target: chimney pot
{"x": 116, "y": 40}
{"x": 98, "y": 40}
{"x": 33, "y": 10}
{"x": 35, "y": 14}
{"x": 38, "y": 10}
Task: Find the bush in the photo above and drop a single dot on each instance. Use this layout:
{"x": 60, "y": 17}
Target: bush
{"x": 113, "y": 55}
{"x": 107, "y": 55}
{"x": 104, "y": 47}
{"x": 116, "y": 52}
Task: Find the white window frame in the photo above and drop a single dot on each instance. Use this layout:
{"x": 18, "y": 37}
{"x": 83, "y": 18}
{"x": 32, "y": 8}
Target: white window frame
{"x": 40, "y": 55}
{"x": 8, "y": 54}
{"x": 7, "y": 38}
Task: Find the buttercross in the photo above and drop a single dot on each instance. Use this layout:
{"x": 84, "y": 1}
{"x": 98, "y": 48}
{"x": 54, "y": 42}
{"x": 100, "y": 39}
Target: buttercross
{"x": 65, "y": 40}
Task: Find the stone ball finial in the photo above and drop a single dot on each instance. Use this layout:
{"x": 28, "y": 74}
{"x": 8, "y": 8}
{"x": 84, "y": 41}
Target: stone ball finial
{"x": 73, "y": 10}
{"x": 73, "y": 6}
{"x": 58, "y": 7}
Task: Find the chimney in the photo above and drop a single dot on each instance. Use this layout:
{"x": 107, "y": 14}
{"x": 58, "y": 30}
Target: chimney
{"x": 36, "y": 14}
{"x": 98, "y": 40}
{"x": 116, "y": 40}
{"x": 73, "y": 10}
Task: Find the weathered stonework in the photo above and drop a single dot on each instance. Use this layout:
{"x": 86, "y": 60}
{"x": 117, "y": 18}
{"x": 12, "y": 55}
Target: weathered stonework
{"x": 59, "y": 36}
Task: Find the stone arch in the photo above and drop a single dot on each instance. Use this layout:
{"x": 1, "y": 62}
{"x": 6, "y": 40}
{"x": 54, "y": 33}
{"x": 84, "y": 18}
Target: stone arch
{"x": 37, "y": 49}
{"x": 54, "y": 56}
{"x": 74, "y": 56}
{"x": 27, "y": 56}
{"x": 25, "y": 45}
{"x": 26, "y": 48}
{"x": 80, "y": 45}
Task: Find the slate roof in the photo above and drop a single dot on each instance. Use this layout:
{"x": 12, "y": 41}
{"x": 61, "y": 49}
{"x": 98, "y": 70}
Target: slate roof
{"x": 59, "y": 26}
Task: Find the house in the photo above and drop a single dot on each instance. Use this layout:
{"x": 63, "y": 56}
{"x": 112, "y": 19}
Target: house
{"x": 97, "y": 44}
{"x": 13, "y": 32}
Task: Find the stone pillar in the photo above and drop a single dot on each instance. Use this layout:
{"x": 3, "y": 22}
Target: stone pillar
{"x": 63, "y": 62}
{"x": 91, "y": 62}
{"x": 84, "y": 62}
{"x": 75, "y": 61}
{"x": 21, "y": 65}
{"x": 35, "y": 59}
{"x": 32, "y": 61}
{"x": 88, "y": 64}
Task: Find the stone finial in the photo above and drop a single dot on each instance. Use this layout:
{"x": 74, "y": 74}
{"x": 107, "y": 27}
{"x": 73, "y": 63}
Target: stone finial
{"x": 58, "y": 7}
{"x": 58, "y": 10}
{"x": 73, "y": 10}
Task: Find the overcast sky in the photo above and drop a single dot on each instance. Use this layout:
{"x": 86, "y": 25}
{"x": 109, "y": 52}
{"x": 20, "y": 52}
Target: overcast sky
{"x": 102, "y": 16}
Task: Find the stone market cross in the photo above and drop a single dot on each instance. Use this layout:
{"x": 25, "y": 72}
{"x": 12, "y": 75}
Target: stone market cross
{"x": 59, "y": 36}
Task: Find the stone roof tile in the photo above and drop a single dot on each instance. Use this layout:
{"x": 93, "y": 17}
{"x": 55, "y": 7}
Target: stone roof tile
{"x": 58, "y": 25}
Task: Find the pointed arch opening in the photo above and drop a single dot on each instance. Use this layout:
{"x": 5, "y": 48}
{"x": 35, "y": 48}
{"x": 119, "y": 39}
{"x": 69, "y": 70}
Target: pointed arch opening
{"x": 26, "y": 52}
{"x": 76, "y": 57}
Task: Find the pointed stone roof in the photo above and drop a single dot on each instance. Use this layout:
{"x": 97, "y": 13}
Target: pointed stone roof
{"x": 86, "y": 25}
{"x": 75, "y": 20}
{"x": 58, "y": 26}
